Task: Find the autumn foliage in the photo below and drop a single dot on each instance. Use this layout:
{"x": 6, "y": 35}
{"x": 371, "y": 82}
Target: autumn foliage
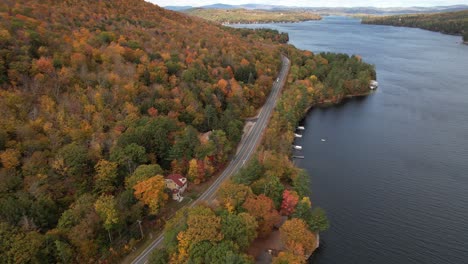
{"x": 297, "y": 238}
{"x": 288, "y": 258}
{"x": 98, "y": 97}
{"x": 290, "y": 200}
{"x": 151, "y": 193}
{"x": 263, "y": 209}
{"x": 92, "y": 90}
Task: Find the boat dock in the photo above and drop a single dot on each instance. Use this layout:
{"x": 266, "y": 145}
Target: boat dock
{"x": 298, "y": 157}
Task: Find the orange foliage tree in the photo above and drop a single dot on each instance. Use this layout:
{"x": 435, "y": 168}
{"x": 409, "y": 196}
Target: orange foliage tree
{"x": 263, "y": 209}
{"x": 10, "y": 158}
{"x": 151, "y": 193}
{"x": 288, "y": 258}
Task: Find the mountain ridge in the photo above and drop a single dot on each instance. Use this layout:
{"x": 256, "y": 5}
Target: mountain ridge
{"x": 321, "y": 10}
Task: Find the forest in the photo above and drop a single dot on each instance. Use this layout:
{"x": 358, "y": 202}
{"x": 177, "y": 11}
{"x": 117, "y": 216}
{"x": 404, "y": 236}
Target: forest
{"x": 102, "y": 99}
{"x": 245, "y": 16}
{"x": 454, "y": 23}
{"x": 270, "y": 188}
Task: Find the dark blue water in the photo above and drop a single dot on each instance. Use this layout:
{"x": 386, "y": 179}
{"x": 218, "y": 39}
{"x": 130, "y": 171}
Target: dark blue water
{"x": 393, "y": 172}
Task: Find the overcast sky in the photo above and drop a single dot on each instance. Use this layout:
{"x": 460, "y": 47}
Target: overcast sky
{"x": 315, "y": 3}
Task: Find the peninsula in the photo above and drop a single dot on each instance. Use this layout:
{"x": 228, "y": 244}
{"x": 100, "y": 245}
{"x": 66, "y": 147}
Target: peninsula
{"x": 245, "y": 16}
{"x": 453, "y": 23}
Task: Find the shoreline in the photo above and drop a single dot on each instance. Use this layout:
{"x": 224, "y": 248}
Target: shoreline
{"x": 325, "y": 104}
{"x": 329, "y": 102}
{"x": 267, "y": 22}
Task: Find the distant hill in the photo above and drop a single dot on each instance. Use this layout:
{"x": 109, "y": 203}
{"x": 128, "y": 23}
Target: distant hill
{"x": 455, "y": 23}
{"x": 227, "y": 7}
{"x": 333, "y": 10}
{"x": 386, "y": 10}
{"x": 178, "y": 8}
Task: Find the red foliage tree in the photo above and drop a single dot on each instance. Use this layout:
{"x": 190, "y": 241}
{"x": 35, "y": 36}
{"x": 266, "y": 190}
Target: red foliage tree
{"x": 290, "y": 200}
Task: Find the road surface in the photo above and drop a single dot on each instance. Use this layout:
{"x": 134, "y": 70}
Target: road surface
{"x": 246, "y": 148}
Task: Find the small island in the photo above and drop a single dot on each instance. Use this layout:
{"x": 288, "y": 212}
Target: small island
{"x": 453, "y": 23}
{"x": 245, "y": 16}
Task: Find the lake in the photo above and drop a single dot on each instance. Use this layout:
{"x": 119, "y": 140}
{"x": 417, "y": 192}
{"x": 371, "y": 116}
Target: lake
{"x": 393, "y": 171}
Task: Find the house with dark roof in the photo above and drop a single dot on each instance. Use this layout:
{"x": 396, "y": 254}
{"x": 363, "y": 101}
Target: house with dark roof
{"x": 177, "y": 184}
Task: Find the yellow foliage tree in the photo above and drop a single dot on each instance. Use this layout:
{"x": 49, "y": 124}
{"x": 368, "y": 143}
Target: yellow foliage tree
{"x": 203, "y": 224}
{"x": 105, "y": 206}
{"x": 151, "y": 193}
{"x": 193, "y": 172}
{"x": 297, "y": 238}
{"x": 106, "y": 175}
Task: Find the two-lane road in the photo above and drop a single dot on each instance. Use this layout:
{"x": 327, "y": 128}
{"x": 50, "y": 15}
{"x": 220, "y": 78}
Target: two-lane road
{"x": 247, "y": 147}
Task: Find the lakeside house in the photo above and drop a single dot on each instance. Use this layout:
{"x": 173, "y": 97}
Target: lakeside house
{"x": 177, "y": 184}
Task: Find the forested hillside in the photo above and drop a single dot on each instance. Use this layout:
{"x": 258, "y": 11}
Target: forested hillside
{"x": 97, "y": 96}
{"x": 102, "y": 99}
{"x": 455, "y": 23}
{"x": 246, "y": 16}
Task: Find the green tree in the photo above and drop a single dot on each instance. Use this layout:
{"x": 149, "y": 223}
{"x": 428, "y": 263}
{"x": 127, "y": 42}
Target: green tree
{"x": 211, "y": 117}
{"x": 246, "y": 74}
{"x": 315, "y": 218}
{"x": 159, "y": 256}
{"x": 222, "y": 146}
{"x": 301, "y": 184}
{"x": 129, "y": 156}
{"x": 319, "y": 221}
{"x": 27, "y": 248}
{"x": 75, "y": 160}
{"x": 185, "y": 144}
{"x": 142, "y": 172}
{"x": 172, "y": 228}
{"x": 250, "y": 173}
{"x": 270, "y": 186}
{"x": 64, "y": 252}
{"x": 233, "y": 195}
{"x": 240, "y": 229}
{"x": 154, "y": 134}
{"x": 222, "y": 251}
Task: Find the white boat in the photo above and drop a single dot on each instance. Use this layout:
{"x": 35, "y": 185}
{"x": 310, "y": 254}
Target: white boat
{"x": 297, "y": 135}
{"x": 297, "y": 147}
{"x": 300, "y": 128}
{"x": 373, "y": 84}
{"x": 323, "y": 140}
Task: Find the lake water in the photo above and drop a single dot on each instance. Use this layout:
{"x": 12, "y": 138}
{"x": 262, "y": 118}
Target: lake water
{"x": 393, "y": 171}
